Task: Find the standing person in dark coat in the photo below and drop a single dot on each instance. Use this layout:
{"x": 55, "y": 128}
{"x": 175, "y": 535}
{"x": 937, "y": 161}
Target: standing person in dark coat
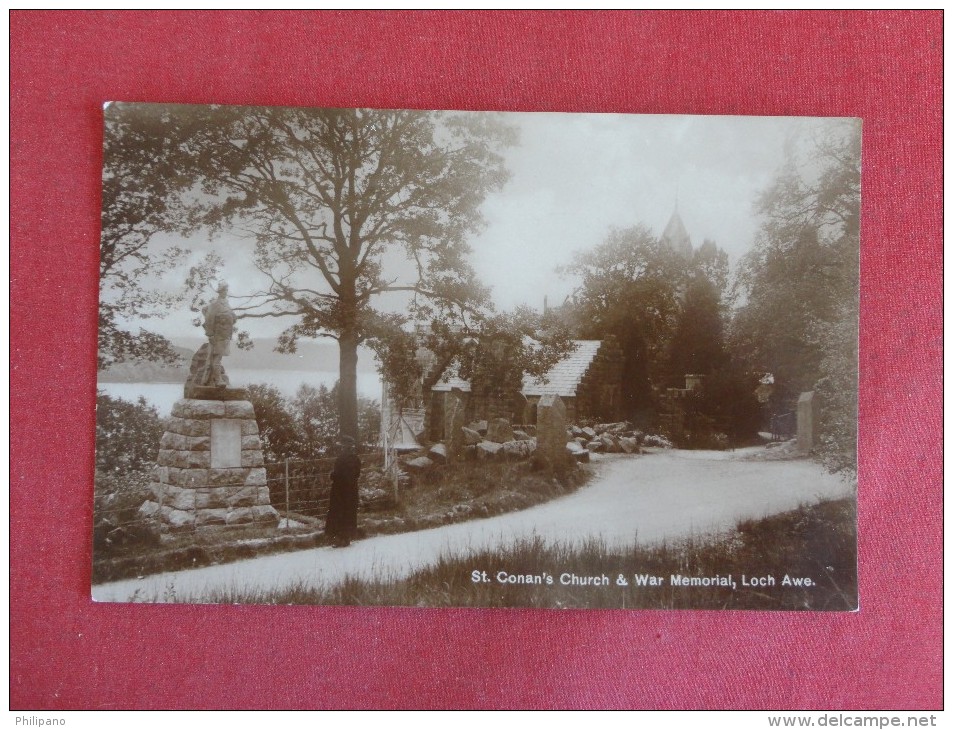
{"x": 341, "y": 523}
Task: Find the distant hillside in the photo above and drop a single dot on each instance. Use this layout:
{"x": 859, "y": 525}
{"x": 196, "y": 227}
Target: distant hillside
{"x": 314, "y": 356}
{"x": 321, "y": 356}
{"x": 149, "y": 372}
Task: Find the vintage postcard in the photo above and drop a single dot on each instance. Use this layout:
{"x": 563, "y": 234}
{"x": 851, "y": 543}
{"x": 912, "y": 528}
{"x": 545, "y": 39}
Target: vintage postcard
{"x": 444, "y": 358}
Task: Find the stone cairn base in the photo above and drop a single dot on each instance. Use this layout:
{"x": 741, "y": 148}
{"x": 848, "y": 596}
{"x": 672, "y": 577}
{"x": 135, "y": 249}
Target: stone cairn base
{"x": 210, "y": 471}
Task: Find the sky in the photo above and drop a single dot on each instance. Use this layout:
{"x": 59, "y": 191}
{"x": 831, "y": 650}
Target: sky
{"x": 574, "y": 177}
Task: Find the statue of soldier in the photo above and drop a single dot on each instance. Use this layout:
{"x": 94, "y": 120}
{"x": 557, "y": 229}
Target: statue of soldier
{"x": 219, "y": 326}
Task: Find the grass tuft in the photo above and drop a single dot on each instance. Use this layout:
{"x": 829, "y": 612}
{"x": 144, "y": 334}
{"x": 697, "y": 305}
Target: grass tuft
{"x": 814, "y": 543}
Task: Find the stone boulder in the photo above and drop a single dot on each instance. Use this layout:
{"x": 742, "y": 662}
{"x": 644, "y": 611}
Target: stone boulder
{"x": 479, "y": 426}
{"x": 419, "y": 464}
{"x": 519, "y": 449}
{"x": 616, "y": 429}
{"x": 577, "y": 451}
{"x": 629, "y": 445}
{"x": 611, "y": 446}
{"x": 499, "y": 431}
{"x": 470, "y": 437}
{"x": 488, "y": 449}
{"x": 148, "y": 509}
{"x": 438, "y": 453}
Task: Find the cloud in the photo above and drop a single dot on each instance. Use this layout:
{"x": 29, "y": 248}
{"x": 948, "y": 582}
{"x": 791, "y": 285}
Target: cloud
{"x": 573, "y": 178}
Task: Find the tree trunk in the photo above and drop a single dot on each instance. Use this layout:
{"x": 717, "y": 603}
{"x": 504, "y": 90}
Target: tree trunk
{"x": 347, "y": 385}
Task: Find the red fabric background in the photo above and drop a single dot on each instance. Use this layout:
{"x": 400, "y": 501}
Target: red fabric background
{"x": 67, "y": 652}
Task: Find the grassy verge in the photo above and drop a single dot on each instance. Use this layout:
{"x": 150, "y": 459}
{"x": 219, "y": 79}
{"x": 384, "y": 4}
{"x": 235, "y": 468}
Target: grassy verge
{"x": 804, "y": 559}
{"x": 466, "y": 491}
{"x": 471, "y": 490}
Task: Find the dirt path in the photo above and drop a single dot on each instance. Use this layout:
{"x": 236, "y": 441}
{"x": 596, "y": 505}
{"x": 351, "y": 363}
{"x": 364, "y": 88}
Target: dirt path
{"x": 663, "y": 495}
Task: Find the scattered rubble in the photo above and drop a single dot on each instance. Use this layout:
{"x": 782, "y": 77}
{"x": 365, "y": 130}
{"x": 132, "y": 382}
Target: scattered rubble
{"x": 498, "y": 439}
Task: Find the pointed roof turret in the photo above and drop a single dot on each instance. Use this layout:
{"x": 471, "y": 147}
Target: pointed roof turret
{"x": 676, "y": 236}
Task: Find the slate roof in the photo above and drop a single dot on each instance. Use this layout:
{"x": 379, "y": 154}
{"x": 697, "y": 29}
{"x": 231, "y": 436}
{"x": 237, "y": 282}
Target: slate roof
{"x": 449, "y": 382}
{"x": 561, "y": 380}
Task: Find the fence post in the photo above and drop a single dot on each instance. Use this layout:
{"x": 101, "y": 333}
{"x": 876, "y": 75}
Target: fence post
{"x": 287, "y": 496}
{"x": 391, "y": 468}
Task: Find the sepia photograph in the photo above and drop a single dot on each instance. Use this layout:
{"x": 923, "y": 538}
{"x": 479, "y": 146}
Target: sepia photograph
{"x": 477, "y": 359}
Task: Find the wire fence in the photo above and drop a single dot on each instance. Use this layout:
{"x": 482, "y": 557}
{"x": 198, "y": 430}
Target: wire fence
{"x": 298, "y": 490}
{"x": 304, "y": 487}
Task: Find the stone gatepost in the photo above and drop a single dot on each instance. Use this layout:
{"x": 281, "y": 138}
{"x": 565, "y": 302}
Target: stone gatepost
{"x": 806, "y": 417}
{"x": 454, "y": 410}
{"x": 551, "y": 436}
{"x": 210, "y": 470}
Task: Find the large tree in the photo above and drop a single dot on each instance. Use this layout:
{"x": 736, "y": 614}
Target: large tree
{"x": 698, "y": 342}
{"x": 140, "y": 198}
{"x": 801, "y": 274}
{"x": 629, "y": 289}
{"x": 800, "y": 285}
{"x": 146, "y": 191}
{"x": 347, "y": 205}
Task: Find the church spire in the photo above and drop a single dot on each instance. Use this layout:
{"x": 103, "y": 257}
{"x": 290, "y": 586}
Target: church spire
{"x": 675, "y": 234}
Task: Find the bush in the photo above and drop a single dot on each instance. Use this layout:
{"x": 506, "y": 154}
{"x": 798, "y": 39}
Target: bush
{"x": 306, "y": 427}
{"x": 116, "y": 519}
{"x": 837, "y": 396}
{"x": 127, "y": 435}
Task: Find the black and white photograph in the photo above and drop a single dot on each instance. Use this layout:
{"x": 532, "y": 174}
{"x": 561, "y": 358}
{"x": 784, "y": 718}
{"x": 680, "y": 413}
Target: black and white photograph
{"x": 477, "y": 359}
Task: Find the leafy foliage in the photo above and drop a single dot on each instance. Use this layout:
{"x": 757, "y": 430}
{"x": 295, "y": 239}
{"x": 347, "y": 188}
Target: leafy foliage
{"x": 143, "y": 191}
{"x": 837, "y": 393}
{"x": 698, "y": 342}
{"x": 493, "y": 352}
{"x": 346, "y": 205}
{"x": 800, "y": 282}
{"x": 314, "y": 413}
{"x": 803, "y": 267}
{"x": 127, "y": 435}
{"x": 276, "y": 427}
{"x": 306, "y": 426}
{"x": 725, "y": 410}
{"x": 629, "y": 289}
{"x": 512, "y": 345}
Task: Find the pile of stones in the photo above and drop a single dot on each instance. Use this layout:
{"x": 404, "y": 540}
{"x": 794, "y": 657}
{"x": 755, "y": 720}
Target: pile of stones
{"x": 604, "y": 438}
{"x": 479, "y": 440}
{"x": 497, "y": 439}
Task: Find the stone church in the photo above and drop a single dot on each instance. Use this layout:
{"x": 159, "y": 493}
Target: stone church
{"x": 588, "y": 380}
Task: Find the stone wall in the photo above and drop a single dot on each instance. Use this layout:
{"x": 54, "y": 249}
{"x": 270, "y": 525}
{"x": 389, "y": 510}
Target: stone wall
{"x": 599, "y": 393}
{"x": 210, "y": 469}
